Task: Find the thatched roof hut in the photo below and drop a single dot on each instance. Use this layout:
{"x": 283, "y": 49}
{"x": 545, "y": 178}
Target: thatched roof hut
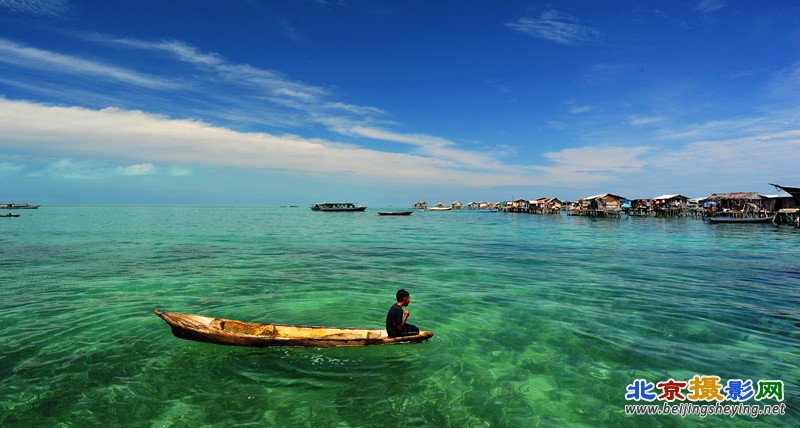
{"x": 737, "y": 201}
{"x": 672, "y": 198}
{"x": 605, "y": 200}
{"x": 735, "y": 196}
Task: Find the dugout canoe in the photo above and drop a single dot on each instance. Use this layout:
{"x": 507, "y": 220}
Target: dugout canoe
{"x": 394, "y": 213}
{"x": 241, "y": 333}
{"x": 740, "y": 219}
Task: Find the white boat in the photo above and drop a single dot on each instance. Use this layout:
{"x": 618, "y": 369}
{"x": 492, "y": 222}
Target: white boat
{"x": 440, "y": 207}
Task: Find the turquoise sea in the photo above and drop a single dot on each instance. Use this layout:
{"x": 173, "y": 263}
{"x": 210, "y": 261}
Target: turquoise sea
{"x": 538, "y": 320}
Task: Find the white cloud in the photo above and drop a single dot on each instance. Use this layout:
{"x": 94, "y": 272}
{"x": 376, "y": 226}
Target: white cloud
{"x": 733, "y": 164}
{"x": 74, "y": 132}
{"x": 576, "y": 165}
{"x": 580, "y": 109}
{"x": 138, "y": 169}
{"x": 10, "y": 169}
{"x": 645, "y": 120}
{"x": 39, "y": 59}
{"x": 557, "y": 27}
{"x": 179, "y": 171}
{"x": 153, "y": 145}
{"x": 268, "y": 81}
{"x": 744, "y": 155}
{"x": 434, "y": 147}
{"x": 147, "y": 140}
{"x": 312, "y": 103}
{"x": 71, "y": 169}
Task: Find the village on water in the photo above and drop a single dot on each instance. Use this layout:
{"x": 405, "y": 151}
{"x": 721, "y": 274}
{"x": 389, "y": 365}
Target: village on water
{"x": 735, "y": 207}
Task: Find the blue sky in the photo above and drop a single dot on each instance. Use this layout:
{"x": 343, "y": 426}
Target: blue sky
{"x": 390, "y": 102}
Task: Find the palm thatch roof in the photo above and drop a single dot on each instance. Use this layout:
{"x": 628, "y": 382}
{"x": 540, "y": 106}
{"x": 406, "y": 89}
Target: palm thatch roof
{"x": 738, "y": 196}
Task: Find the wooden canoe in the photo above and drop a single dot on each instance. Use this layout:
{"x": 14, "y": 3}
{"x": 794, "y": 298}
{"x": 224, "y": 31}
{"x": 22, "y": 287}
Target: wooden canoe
{"x": 740, "y": 219}
{"x": 240, "y": 333}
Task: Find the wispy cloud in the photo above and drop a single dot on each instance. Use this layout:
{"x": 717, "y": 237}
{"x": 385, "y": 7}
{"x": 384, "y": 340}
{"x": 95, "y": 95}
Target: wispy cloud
{"x": 580, "y": 109}
{"x": 269, "y": 83}
{"x": 558, "y": 27}
{"x": 10, "y": 168}
{"x": 645, "y": 120}
{"x": 138, "y": 169}
{"x": 709, "y": 6}
{"x": 48, "y": 8}
{"x": 577, "y": 165}
{"x": 731, "y": 164}
{"x": 71, "y": 168}
{"x": 43, "y": 60}
{"x": 786, "y": 82}
{"x": 152, "y": 145}
{"x": 434, "y": 147}
{"x": 312, "y": 104}
{"x": 257, "y": 86}
{"x": 82, "y": 138}
{"x": 604, "y": 73}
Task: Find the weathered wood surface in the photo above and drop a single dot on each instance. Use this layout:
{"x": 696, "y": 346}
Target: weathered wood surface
{"x": 240, "y": 333}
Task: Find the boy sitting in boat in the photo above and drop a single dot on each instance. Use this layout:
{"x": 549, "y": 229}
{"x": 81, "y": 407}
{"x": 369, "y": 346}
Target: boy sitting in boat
{"x": 396, "y": 325}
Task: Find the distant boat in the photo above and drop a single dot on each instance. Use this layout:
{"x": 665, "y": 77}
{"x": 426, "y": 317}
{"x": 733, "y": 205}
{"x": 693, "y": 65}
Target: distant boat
{"x": 338, "y": 207}
{"x": 240, "y": 333}
{"x": 18, "y": 207}
{"x": 394, "y": 213}
{"x": 488, "y": 211}
{"x": 740, "y": 219}
{"x": 440, "y": 208}
{"x": 9, "y": 215}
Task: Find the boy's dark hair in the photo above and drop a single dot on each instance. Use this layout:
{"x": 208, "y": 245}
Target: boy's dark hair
{"x": 401, "y": 294}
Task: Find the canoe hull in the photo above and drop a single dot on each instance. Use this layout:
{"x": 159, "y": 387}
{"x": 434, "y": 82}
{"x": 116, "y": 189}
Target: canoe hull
{"x": 239, "y": 333}
{"x": 740, "y": 220}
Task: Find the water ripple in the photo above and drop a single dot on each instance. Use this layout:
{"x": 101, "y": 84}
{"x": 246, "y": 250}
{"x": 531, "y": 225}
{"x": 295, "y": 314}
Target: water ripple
{"x": 538, "y": 320}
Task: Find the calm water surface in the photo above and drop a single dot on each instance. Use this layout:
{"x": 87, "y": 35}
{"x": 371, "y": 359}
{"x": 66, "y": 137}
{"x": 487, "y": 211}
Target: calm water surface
{"x": 539, "y": 321}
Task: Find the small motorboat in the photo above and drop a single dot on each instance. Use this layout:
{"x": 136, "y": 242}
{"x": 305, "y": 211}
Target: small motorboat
{"x": 394, "y": 213}
{"x": 240, "y": 333}
{"x": 338, "y": 207}
{"x": 9, "y": 215}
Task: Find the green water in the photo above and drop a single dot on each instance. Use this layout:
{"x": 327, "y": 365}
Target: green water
{"x": 539, "y": 321}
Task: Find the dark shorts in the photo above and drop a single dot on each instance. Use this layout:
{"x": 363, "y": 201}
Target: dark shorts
{"x": 408, "y": 330}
